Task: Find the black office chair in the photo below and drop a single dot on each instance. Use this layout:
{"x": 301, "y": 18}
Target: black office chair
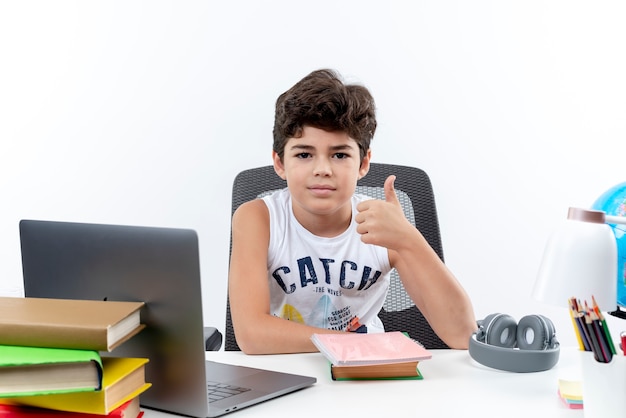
{"x": 415, "y": 193}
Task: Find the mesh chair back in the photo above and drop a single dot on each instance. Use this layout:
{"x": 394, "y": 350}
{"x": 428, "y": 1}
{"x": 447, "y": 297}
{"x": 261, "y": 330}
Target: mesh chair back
{"x": 416, "y": 196}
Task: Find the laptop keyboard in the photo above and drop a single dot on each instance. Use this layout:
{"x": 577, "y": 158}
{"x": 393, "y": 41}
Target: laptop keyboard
{"x": 218, "y": 391}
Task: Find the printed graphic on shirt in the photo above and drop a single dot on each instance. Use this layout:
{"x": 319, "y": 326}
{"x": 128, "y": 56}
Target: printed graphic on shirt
{"x": 324, "y": 292}
{"x": 319, "y": 315}
{"x": 350, "y": 275}
{"x": 324, "y": 315}
{"x": 290, "y": 313}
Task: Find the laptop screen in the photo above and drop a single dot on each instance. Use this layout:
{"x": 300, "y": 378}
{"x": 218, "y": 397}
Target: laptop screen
{"x": 159, "y": 266}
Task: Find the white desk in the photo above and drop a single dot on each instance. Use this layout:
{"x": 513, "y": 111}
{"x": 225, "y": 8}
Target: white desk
{"x": 453, "y": 385}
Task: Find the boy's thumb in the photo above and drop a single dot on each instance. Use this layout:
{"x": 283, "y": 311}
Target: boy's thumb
{"x": 390, "y": 191}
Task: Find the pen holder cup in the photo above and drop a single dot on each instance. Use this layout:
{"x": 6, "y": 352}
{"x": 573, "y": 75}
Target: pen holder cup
{"x": 604, "y": 386}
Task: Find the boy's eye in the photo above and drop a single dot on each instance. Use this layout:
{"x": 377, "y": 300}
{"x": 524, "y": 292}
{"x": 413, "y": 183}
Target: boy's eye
{"x": 341, "y": 155}
{"x": 303, "y": 155}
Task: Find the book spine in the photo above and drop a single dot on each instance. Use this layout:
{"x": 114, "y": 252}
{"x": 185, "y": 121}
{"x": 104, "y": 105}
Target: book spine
{"x": 42, "y": 335}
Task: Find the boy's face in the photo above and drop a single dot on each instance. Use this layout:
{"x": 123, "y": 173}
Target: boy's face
{"x": 321, "y": 169}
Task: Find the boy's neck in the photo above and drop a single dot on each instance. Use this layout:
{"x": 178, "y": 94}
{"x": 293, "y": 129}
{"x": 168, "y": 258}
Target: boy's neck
{"x": 325, "y": 226}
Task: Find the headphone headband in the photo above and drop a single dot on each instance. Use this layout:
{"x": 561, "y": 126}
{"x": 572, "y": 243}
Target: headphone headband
{"x": 512, "y": 359}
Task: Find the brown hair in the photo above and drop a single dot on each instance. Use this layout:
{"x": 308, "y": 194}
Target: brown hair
{"x": 323, "y": 101}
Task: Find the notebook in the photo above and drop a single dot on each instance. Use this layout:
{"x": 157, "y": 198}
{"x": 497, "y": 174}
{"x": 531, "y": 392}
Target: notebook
{"x": 161, "y": 267}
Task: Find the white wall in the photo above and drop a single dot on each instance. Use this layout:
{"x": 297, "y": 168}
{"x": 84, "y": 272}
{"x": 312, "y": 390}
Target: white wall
{"x": 142, "y": 112}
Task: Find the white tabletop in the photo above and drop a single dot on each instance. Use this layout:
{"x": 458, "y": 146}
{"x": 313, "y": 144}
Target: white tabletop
{"x": 453, "y": 385}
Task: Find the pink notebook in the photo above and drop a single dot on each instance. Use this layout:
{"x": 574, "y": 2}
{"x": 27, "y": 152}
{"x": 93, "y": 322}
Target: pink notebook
{"x": 360, "y": 349}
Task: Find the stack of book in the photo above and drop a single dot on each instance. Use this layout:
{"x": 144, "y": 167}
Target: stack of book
{"x": 387, "y": 355}
{"x": 51, "y": 363}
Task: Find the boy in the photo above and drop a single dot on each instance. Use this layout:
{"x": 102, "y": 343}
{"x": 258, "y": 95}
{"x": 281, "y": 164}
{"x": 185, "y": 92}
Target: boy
{"x": 315, "y": 257}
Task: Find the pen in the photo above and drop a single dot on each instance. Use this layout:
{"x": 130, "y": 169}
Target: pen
{"x": 604, "y": 353}
{"x": 595, "y": 346}
{"x": 604, "y": 325}
{"x": 583, "y": 344}
{"x": 607, "y": 355}
{"x": 581, "y": 319}
{"x": 584, "y": 332}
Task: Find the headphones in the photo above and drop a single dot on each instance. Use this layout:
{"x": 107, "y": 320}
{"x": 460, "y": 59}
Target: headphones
{"x": 527, "y": 346}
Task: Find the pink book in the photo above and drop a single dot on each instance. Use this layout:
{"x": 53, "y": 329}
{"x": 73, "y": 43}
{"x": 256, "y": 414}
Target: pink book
{"x": 352, "y": 349}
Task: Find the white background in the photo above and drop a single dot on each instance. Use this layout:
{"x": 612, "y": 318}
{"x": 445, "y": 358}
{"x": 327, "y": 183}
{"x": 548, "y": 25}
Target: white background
{"x": 142, "y": 112}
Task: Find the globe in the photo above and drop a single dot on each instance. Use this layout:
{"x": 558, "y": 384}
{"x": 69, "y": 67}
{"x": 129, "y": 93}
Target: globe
{"x": 613, "y": 202}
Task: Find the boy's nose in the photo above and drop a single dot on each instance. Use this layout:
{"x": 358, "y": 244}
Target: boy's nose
{"x": 322, "y": 167}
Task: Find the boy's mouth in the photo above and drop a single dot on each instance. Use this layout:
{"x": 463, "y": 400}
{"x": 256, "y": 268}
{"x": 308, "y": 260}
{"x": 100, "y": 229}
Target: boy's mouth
{"x": 320, "y": 189}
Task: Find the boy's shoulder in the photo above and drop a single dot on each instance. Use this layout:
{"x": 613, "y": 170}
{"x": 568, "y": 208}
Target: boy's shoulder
{"x": 251, "y": 211}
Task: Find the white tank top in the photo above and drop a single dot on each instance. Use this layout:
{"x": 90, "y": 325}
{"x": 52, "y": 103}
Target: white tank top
{"x": 323, "y": 282}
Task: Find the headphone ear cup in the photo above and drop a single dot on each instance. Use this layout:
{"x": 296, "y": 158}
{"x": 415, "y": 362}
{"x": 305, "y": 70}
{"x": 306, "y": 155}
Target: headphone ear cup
{"x": 501, "y": 331}
{"x": 480, "y": 333}
{"x": 551, "y": 340}
{"x": 534, "y": 332}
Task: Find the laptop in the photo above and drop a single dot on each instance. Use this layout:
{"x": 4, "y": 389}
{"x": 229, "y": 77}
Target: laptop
{"x": 159, "y": 266}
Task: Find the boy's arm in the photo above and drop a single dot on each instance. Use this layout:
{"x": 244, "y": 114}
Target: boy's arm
{"x": 436, "y": 292}
{"x": 427, "y": 280}
{"x": 256, "y": 330}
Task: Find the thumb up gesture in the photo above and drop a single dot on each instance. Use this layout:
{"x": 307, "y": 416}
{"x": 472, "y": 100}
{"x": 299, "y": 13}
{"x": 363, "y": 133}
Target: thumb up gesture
{"x": 390, "y": 191}
{"x": 382, "y": 222}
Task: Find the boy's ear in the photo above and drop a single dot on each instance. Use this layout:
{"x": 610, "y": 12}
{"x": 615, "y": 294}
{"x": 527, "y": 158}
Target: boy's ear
{"x": 365, "y": 164}
{"x": 279, "y": 168}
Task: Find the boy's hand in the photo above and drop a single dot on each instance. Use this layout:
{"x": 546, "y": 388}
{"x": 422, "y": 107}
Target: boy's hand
{"x": 383, "y": 222}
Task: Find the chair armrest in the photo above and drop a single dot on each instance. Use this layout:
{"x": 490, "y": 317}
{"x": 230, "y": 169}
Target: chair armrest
{"x": 212, "y": 339}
